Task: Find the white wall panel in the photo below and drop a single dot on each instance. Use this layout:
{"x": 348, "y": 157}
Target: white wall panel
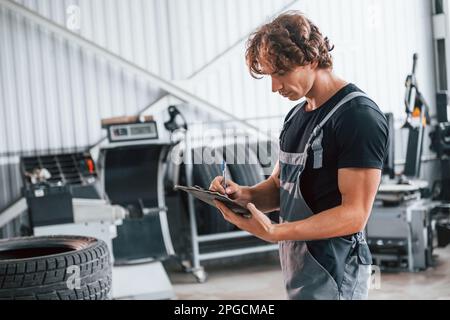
{"x": 200, "y": 30}
{"x": 54, "y": 94}
{"x": 134, "y": 29}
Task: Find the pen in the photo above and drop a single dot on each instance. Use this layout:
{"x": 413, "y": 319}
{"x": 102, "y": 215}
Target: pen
{"x": 224, "y": 174}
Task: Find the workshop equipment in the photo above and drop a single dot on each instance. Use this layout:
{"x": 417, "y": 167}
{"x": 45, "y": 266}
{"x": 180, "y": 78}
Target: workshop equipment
{"x": 62, "y": 195}
{"x": 130, "y": 128}
{"x": 441, "y": 215}
{"x": 76, "y": 171}
{"x": 399, "y": 231}
{"x": 401, "y": 237}
{"x": 417, "y": 118}
{"x": 440, "y": 143}
{"x": 133, "y": 178}
{"x": 68, "y": 202}
{"x": 132, "y": 168}
{"x": 50, "y": 182}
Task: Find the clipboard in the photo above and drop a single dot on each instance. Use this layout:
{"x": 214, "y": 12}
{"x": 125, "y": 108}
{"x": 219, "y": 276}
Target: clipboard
{"x": 208, "y": 197}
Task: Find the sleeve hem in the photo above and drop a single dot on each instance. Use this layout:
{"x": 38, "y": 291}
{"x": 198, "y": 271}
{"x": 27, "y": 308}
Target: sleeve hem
{"x": 368, "y": 165}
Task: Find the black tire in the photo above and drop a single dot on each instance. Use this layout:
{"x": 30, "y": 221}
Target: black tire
{"x": 44, "y": 268}
{"x": 209, "y": 219}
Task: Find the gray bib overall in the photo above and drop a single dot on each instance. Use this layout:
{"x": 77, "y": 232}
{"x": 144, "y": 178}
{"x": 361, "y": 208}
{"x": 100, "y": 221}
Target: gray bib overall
{"x": 305, "y": 277}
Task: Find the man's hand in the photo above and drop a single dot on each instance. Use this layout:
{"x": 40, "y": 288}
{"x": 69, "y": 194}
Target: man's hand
{"x": 259, "y": 224}
{"x": 265, "y": 195}
{"x": 233, "y": 190}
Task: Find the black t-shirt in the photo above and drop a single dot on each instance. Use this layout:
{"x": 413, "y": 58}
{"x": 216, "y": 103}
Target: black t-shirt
{"x": 356, "y": 136}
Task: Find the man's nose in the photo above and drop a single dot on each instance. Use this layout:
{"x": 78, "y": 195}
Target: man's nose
{"x": 276, "y": 85}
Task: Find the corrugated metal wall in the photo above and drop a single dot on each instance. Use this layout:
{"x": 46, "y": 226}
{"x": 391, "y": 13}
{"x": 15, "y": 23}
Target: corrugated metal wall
{"x": 54, "y": 94}
{"x": 137, "y": 30}
{"x": 200, "y": 30}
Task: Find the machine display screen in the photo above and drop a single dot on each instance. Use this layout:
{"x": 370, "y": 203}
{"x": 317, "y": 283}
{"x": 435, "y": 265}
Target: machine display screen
{"x": 134, "y": 131}
{"x": 141, "y": 130}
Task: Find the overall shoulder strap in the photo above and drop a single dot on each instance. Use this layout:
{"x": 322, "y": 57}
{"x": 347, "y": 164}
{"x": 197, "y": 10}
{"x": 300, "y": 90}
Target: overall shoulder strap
{"x": 346, "y": 99}
{"x": 315, "y": 140}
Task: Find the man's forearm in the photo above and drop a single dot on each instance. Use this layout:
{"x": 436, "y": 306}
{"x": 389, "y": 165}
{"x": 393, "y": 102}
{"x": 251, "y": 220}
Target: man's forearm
{"x": 265, "y": 195}
{"x": 337, "y": 222}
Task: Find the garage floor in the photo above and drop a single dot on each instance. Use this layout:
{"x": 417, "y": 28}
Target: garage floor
{"x": 259, "y": 277}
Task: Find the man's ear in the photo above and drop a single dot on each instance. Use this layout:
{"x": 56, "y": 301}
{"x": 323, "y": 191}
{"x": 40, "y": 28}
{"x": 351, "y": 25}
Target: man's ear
{"x": 314, "y": 65}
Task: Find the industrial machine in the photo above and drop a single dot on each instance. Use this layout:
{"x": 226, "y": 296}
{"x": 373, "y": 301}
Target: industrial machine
{"x": 62, "y": 197}
{"x": 400, "y": 229}
{"x": 67, "y": 194}
{"x": 440, "y": 143}
{"x": 401, "y": 237}
{"x": 440, "y": 136}
{"x": 132, "y": 167}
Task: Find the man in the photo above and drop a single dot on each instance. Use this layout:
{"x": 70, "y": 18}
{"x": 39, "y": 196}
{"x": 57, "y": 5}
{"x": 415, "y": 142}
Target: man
{"x": 332, "y": 149}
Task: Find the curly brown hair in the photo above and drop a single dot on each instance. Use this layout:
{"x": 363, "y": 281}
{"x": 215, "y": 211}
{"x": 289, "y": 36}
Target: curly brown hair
{"x": 289, "y": 41}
